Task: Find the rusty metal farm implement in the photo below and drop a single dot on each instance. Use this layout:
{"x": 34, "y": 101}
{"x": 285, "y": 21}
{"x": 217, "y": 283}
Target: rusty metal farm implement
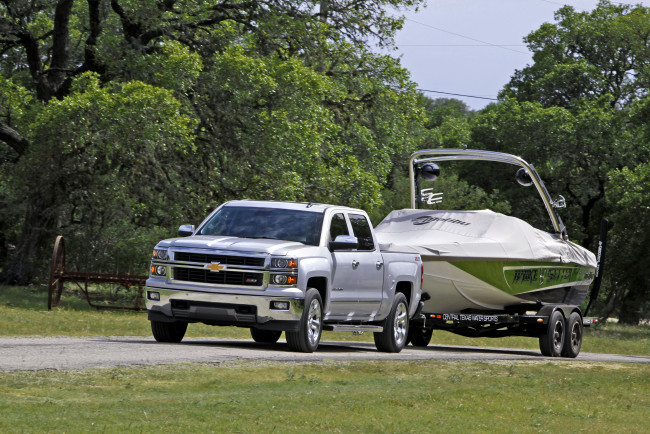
{"x": 125, "y": 283}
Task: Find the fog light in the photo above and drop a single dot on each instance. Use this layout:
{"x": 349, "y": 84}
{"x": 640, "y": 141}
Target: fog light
{"x": 153, "y": 295}
{"x": 280, "y": 305}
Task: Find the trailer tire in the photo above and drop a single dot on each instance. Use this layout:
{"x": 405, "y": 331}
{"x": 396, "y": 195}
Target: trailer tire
{"x": 172, "y": 332}
{"x": 396, "y": 325}
{"x": 307, "y": 337}
{"x": 573, "y": 336}
{"x": 551, "y": 341}
{"x": 419, "y": 336}
{"x": 265, "y": 336}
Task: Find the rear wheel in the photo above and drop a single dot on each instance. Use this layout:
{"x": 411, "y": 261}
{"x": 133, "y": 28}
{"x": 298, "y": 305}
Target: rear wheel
{"x": 265, "y": 336}
{"x": 419, "y": 336}
{"x": 168, "y": 331}
{"x": 396, "y": 326}
{"x": 572, "y": 336}
{"x": 551, "y": 341}
{"x": 307, "y": 337}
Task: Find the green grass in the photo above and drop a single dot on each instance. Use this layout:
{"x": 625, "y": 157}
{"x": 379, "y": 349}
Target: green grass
{"x": 23, "y": 312}
{"x": 385, "y": 396}
{"x": 429, "y": 396}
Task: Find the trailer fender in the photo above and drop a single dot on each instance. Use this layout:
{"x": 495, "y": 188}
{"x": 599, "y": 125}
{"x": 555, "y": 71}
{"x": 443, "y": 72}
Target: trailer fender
{"x": 547, "y": 310}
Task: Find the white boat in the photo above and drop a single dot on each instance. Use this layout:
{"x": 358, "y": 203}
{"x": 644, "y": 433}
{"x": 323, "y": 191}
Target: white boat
{"x": 477, "y": 261}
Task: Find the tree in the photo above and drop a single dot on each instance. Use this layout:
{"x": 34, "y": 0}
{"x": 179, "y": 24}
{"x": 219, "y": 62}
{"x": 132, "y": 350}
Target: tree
{"x": 630, "y": 285}
{"x": 193, "y": 102}
{"x": 586, "y": 55}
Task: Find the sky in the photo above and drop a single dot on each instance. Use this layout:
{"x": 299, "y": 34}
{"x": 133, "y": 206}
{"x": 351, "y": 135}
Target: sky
{"x": 472, "y": 47}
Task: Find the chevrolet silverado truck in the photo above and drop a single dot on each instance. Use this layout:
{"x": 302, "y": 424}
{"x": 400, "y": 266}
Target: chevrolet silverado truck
{"x": 270, "y": 266}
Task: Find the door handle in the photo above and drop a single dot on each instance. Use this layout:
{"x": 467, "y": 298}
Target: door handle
{"x": 355, "y": 264}
{"x": 379, "y": 264}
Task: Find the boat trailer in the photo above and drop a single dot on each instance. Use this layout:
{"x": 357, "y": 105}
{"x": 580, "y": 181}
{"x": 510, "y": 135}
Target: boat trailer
{"x": 59, "y": 276}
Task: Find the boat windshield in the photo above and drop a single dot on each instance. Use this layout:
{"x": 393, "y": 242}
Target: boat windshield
{"x": 271, "y": 223}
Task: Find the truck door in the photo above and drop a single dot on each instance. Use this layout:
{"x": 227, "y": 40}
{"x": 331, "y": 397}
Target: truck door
{"x": 357, "y": 274}
{"x": 370, "y": 271}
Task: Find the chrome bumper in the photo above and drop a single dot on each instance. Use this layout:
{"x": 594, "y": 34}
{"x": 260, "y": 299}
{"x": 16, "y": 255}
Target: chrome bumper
{"x": 222, "y": 309}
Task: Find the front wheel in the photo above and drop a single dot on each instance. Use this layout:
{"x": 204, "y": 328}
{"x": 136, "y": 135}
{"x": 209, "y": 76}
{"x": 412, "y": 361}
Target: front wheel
{"x": 572, "y": 336}
{"x": 307, "y": 337}
{"x": 551, "y": 341}
{"x": 168, "y": 331}
{"x": 393, "y": 338}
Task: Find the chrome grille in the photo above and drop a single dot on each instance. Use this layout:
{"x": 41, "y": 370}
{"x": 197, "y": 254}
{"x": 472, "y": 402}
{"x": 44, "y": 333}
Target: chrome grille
{"x": 222, "y": 259}
{"x": 221, "y": 278}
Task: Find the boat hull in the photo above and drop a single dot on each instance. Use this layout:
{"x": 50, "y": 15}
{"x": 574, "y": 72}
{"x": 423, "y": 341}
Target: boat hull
{"x": 463, "y": 285}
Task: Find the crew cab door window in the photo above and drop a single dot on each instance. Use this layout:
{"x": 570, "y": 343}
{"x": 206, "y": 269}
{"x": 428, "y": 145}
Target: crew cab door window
{"x": 361, "y": 229}
{"x": 338, "y": 226}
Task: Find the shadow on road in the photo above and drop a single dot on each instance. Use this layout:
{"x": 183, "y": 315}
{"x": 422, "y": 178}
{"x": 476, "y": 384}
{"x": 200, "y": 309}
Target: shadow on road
{"x": 325, "y": 347}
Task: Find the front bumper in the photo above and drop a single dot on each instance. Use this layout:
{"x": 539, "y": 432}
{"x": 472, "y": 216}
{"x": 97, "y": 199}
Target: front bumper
{"x": 223, "y": 309}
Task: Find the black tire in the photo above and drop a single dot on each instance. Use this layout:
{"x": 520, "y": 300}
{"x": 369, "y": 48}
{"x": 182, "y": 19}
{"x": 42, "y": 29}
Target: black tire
{"x": 265, "y": 336}
{"x": 572, "y": 336}
{"x": 551, "y": 341}
{"x": 419, "y": 336}
{"x": 396, "y": 326}
{"x": 307, "y": 338}
{"x": 168, "y": 331}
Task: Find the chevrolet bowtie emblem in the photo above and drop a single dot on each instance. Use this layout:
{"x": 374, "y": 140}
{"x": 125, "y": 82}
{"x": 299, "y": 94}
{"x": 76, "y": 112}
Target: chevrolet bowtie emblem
{"x": 215, "y": 267}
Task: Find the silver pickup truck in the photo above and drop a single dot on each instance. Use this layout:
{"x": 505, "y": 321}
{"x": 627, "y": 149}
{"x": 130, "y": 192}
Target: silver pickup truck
{"x": 281, "y": 266}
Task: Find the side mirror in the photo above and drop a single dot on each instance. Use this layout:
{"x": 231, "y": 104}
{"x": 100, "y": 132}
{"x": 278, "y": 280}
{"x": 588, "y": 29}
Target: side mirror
{"x": 344, "y": 242}
{"x": 523, "y": 177}
{"x": 185, "y": 230}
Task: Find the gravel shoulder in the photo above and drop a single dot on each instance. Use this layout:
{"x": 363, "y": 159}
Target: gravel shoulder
{"x": 35, "y": 353}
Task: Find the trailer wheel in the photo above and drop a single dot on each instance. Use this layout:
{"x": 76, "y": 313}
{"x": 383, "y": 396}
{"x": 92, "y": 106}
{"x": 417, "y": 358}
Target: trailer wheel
{"x": 265, "y": 336}
{"x": 419, "y": 336}
{"x": 573, "y": 336}
{"x": 307, "y": 337}
{"x": 396, "y": 326}
{"x": 168, "y": 331}
{"x": 551, "y": 341}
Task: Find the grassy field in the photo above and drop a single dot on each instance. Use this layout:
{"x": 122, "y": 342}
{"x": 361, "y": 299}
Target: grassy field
{"x": 23, "y": 312}
{"x": 426, "y": 396}
{"x": 429, "y": 396}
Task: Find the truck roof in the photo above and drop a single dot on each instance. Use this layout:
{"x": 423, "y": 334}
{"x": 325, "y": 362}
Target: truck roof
{"x": 306, "y": 206}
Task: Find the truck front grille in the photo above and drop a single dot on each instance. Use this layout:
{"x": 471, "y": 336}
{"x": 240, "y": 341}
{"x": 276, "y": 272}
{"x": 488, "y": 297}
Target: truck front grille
{"x": 221, "y": 278}
{"x": 222, "y": 259}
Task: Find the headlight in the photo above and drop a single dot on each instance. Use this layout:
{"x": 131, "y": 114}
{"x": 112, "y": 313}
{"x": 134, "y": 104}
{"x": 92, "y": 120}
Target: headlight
{"x": 160, "y": 254}
{"x": 158, "y": 270}
{"x": 284, "y": 279}
{"x": 284, "y": 263}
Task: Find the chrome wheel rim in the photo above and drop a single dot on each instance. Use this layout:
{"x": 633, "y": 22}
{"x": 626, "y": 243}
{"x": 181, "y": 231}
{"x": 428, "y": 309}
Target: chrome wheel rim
{"x": 314, "y": 322}
{"x": 558, "y": 334}
{"x": 401, "y": 318}
{"x": 576, "y": 335}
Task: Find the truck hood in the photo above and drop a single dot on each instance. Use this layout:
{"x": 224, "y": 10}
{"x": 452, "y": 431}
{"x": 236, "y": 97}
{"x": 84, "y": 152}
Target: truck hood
{"x": 258, "y": 245}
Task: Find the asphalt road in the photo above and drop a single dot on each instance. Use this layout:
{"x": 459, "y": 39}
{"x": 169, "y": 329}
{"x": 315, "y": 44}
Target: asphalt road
{"x": 29, "y": 354}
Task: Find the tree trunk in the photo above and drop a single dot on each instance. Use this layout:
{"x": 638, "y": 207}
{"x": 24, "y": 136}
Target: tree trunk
{"x": 37, "y": 232}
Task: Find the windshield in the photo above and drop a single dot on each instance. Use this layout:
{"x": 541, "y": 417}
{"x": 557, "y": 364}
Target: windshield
{"x": 272, "y": 223}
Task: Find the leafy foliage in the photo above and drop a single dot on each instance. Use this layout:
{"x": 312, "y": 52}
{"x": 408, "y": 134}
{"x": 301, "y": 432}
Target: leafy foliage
{"x": 125, "y": 116}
